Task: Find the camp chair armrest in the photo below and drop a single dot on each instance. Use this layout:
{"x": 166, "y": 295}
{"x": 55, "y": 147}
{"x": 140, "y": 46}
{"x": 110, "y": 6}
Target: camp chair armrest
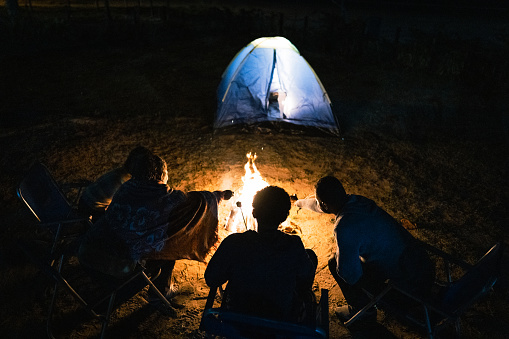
{"x": 426, "y": 302}
{"x": 446, "y": 256}
{"x": 77, "y": 184}
{"x": 375, "y": 299}
{"x": 63, "y": 222}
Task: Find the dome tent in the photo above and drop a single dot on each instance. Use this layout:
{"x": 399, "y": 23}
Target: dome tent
{"x": 269, "y": 81}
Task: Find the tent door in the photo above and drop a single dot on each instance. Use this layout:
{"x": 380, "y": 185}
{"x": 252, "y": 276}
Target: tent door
{"x": 276, "y": 96}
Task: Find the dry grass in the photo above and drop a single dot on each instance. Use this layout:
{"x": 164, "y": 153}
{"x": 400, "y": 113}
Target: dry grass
{"x": 422, "y": 139}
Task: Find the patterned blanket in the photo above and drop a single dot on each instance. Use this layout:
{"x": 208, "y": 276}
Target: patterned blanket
{"x": 192, "y": 232}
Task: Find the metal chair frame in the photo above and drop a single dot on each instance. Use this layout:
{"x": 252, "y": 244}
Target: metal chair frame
{"x": 101, "y": 299}
{"x": 46, "y": 200}
{"x": 217, "y": 321}
{"x": 44, "y": 197}
{"x": 476, "y": 282}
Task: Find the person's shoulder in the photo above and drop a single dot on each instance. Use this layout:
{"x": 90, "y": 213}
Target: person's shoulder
{"x": 175, "y": 192}
{"x": 118, "y": 172}
{"x": 358, "y": 203}
{"x": 289, "y": 237}
{"x": 243, "y": 235}
{"x": 176, "y": 195}
{"x": 289, "y": 240}
{"x": 294, "y": 241}
{"x": 356, "y": 198}
{"x": 250, "y": 234}
{"x": 236, "y": 239}
{"x": 129, "y": 184}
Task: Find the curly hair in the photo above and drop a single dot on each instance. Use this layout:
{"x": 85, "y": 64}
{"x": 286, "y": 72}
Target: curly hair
{"x": 137, "y": 154}
{"x": 272, "y": 204}
{"x": 150, "y": 167}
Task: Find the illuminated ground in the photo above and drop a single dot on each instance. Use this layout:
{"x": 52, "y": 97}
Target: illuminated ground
{"x": 424, "y": 136}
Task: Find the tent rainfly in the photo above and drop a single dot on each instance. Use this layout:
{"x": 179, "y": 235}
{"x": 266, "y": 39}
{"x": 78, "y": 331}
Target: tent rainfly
{"x": 268, "y": 80}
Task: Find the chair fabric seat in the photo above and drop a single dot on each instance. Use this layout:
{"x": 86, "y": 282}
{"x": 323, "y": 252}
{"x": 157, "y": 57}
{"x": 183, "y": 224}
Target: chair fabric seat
{"x": 57, "y": 218}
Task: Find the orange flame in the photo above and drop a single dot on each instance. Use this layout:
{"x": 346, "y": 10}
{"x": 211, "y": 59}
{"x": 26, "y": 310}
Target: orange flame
{"x": 241, "y": 217}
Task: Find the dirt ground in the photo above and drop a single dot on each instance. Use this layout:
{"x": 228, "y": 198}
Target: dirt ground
{"x": 424, "y": 134}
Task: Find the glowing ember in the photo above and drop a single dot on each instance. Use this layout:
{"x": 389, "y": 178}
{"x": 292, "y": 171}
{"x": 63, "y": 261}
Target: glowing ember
{"x": 241, "y": 218}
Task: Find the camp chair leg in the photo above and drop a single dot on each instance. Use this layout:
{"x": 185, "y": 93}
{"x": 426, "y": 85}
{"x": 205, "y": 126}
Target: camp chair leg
{"x": 106, "y": 319}
{"x": 477, "y": 280}
{"x": 323, "y": 310}
{"x": 427, "y": 322}
{"x": 53, "y": 302}
{"x": 50, "y": 313}
{"x": 55, "y": 240}
{"x": 457, "y": 327}
{"x": 372, "y": 303}
{"x": 211, "y": 297}
{"x": 156, "y": 290}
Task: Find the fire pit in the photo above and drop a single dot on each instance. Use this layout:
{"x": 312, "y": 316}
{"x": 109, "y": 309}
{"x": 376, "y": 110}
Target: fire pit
{"x": 241, "y": 218}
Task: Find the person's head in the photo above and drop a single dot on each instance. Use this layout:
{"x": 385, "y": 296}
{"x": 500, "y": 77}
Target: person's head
{"x": 137, "y": 154}
{"x": 330, "y": 194}
{"x": 151, "y": 167}
{"x": 271, "y": 206}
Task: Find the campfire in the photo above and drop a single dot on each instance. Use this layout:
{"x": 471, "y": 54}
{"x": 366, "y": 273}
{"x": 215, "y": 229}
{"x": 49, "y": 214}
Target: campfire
{"x": 241, "y": 218}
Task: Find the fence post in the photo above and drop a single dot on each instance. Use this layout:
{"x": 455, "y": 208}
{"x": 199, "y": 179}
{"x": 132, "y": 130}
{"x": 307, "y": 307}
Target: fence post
{"x": 107, "y": 8}
{"x": 281, "y": 22}
{"x": 68, "y": 10}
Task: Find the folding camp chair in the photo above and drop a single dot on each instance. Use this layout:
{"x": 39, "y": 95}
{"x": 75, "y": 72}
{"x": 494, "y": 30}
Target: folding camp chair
{"x": 217, "y": 321}
{"x": 450, "y": 299}
{"x": 98, "y": 293}
{"x": 50, "y": 206}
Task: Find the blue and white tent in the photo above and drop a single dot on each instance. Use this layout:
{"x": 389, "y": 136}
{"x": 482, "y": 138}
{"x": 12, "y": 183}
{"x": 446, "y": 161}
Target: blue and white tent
{"x": 268, "y": 80}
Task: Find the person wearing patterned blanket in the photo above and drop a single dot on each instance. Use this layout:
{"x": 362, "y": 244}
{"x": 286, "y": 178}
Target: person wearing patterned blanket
{"x": 142, "y": 219}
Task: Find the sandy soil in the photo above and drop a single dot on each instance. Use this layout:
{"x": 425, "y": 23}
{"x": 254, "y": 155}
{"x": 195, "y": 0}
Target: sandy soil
{"x": 427, "y": 143}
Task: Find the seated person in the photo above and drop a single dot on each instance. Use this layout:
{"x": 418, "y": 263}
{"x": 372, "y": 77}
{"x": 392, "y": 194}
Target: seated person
{"x": 135, "y": 227}
{"x": 97, "y": 196}
{"x": 371, "y": 247}
{"x": 267, "y": 271}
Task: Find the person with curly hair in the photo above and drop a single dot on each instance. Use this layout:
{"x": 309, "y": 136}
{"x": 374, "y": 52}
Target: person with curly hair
{"x": 268, "y": 271}
{"x": 140, "y": 223}
{"x": 97, "y": 196}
